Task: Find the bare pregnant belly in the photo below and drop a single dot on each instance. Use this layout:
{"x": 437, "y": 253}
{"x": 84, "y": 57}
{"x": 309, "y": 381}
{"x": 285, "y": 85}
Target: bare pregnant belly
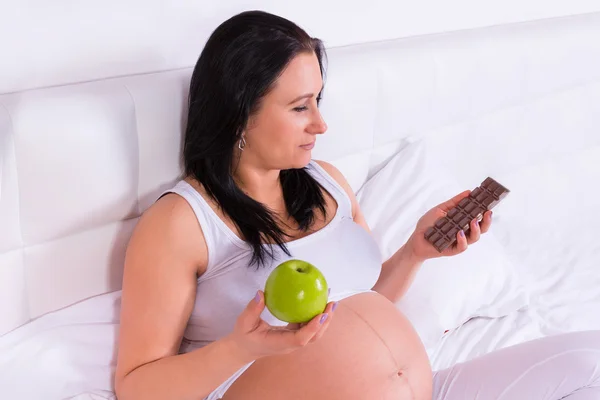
{"x": 369, "y": 351}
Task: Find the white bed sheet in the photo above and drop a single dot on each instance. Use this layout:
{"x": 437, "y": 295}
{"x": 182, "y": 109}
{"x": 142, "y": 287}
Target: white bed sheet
{"x": 480, "y": 335}
{"x": 551, "y": 236}
{"x": 67, "y": 354}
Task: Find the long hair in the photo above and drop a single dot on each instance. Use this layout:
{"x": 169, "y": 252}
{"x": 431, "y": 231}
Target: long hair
{"x": 238, "y": 66}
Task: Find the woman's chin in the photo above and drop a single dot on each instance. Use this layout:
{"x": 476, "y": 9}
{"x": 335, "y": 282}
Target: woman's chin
{"x": 298, "y": 161}
{"x": 303, "y": 161}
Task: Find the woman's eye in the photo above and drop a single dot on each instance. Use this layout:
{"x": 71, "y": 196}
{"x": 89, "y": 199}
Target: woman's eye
{"x": 304, "y": 108}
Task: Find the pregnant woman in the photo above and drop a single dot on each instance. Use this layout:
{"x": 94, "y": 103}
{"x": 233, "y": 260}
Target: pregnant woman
{"x": 194, "y": 323}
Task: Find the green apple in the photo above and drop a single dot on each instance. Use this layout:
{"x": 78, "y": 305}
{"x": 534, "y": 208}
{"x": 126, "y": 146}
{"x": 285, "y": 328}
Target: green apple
{"x": 296, "y": 291}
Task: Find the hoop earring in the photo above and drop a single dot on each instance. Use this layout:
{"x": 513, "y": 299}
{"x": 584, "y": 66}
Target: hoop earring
{"x": 242, "y": 143}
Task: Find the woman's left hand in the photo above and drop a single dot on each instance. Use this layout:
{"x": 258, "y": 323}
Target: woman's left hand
{"x": 422, "y": 250}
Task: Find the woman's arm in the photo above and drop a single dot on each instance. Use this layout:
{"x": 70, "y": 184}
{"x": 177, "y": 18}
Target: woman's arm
{"x": 397, "y": 274}
{"x": 399, "y": 271}
{"x": 166, "y": 253}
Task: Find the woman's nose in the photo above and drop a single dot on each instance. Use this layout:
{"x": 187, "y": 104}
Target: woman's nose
{"x": 318, "y": 126}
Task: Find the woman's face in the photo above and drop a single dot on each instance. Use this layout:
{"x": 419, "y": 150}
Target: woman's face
{"x": 284, "y": 130}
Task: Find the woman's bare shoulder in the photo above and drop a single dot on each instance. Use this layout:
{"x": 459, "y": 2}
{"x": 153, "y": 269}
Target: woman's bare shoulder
{"x": 170, "y": 225}
{"x": 339, "y": 178}
{"x": 336, "y": 174}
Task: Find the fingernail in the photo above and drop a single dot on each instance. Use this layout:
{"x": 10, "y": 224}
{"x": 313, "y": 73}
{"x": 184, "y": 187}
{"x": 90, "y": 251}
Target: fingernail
{"x": 476, "y": 223}
{"x": 257, "y": 297}
{"x": 334, "y": 306}
{"x": 323, "y": 318}
{"x": 462, "y": 233}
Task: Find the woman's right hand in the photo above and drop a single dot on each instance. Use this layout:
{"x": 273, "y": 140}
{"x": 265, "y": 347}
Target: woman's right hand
{"x": 257, "y": 339}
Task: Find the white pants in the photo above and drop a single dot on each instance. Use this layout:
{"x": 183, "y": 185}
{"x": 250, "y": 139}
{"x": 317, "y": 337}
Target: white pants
{"x": 565, "y": 366}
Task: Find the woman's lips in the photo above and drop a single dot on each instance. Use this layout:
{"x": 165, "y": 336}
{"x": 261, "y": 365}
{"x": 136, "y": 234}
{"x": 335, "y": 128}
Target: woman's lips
{"x": 308, "y": 146}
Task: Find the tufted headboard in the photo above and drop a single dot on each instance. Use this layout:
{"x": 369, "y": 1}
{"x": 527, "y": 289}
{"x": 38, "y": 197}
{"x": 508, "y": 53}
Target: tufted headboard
{"x": 79, "y": 161}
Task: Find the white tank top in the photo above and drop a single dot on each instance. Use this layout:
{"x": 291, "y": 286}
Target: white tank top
{"x": 345, "y": 252}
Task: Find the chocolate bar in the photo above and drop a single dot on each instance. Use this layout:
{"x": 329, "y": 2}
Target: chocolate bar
{"x": 485, "y": 197}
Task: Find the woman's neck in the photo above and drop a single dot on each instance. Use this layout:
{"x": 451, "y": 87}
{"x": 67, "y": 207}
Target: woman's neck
{"x": 260, "y": 184}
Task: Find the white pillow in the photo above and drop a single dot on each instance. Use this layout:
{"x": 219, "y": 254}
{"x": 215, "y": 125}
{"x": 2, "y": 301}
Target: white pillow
{"x": 447, "y": 291}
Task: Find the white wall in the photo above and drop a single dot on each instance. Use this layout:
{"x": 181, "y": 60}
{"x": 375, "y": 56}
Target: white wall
{"x": 45, "y": 43}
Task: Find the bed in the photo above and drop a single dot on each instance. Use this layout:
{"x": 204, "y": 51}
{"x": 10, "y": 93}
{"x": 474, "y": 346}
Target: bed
{"x": 418, "y": 110}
